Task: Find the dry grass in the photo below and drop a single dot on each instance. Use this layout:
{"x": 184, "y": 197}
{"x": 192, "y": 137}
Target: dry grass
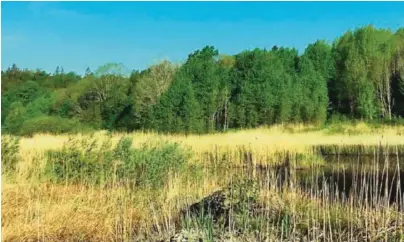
{"x": 54, "y": 212}
{"x": 331, "y": 217}
{"x": 35, "y": 210}
{"x": 261, "y": 143}
{"x": 277, "y": 137}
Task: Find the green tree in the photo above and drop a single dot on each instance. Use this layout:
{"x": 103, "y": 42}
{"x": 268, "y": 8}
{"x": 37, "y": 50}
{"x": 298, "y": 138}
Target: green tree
{"x": 398, "y": 73}
{"x": 15, "y": 118}
{"x": 202, "y": 69}
{"x": 314, "y": 98}
{"x": 321, "y": 55}
{"x": 146, "y": 89}
{"x": 365, "y": 56}
{"x": 178, "y": 109}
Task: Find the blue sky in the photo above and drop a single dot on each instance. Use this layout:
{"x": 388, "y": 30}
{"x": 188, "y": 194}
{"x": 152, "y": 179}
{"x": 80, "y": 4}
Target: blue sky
{"x": 137, "y": 34}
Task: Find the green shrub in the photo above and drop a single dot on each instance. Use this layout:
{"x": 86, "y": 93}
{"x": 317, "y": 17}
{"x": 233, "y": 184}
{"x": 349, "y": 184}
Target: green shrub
{"x": 81, "y": 160}
{"x": 92, "y": 162}
{"x": 336, "y": 118}
{"x": 10, "y": 146}
{"x": 152, "y": 164}
{"x": 39, "y": 107}
{"x": 50, "y": 124}
{"x": 15, "y": 118}
{"x": 395, "y": 120}
{"x": 123, "y": 150}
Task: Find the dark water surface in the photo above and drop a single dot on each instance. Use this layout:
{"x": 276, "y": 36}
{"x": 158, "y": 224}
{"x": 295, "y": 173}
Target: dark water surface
{"x": 358, "y": 180}
{"x": 363, "y": 178}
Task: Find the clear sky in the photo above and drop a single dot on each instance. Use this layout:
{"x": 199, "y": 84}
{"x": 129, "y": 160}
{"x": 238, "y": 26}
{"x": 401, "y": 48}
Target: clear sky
{"x": 137, "y": 34}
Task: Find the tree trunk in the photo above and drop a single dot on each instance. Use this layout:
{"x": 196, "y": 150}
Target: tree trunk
{"x": 225, "y": 112}
{"x": 388, "y": 93}
{"x": 351, "y": 107}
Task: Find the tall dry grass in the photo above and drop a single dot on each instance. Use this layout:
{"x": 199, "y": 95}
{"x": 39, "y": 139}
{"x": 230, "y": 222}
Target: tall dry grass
{"x": 34, "y": 209}
{"x": 276, "y": 137}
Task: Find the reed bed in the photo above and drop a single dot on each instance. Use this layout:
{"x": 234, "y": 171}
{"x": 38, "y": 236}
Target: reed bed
{"x": 360, "y": 149}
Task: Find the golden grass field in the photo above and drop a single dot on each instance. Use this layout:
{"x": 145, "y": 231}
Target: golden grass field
{"x": 276, "y": 137}
{"x": 35, "y": 210}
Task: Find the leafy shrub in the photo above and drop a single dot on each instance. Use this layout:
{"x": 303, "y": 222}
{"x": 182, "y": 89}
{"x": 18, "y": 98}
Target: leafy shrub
{"x": 123, "y": 149}
{"x": 39, "y": 107}
{"x": 81, "y": 160}
{"x": 93, "y": 162}
{"x": 395, "y": 120}
{"x": 15, "y": 117}
{"x": 50, "y": 124}
{"x": 336, "y": 118}
{"x": 152, "y": 164}
{"x": 9, "y": 152}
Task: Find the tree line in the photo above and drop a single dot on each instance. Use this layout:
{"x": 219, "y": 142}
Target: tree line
{"x": 360, "y": 75}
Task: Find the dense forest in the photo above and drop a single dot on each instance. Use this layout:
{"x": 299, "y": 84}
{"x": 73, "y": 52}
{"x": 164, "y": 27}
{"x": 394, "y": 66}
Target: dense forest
{"x": 359, "y": 76}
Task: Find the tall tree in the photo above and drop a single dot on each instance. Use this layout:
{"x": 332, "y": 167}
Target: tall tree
{"x": 314, "y": 89}
{"x": 178, "y": 109}
{"x": 202, "y": 69}
{"x": 320, "y": 54}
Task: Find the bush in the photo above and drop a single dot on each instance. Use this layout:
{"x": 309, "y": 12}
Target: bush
{"x": 152, "y": 164}
{"x": 341, "y": 124}
{"x": 10, "y": 146}
{"x": 337, "y": 118}
{"x": 39, "y": 107}
{"x": 81, "y": 160}
{"x": 393, "y": 121}
{"x": 92, "y": 162}
{"x": 15, "y": 118}
{"x": 123, "y": 150}
{"x": 51, "y": 124}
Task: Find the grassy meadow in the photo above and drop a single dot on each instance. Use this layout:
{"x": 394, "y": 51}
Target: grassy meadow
{"x": 145, "y": 186}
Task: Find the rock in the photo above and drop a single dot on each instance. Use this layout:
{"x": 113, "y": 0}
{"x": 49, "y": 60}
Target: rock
{"x": 213, "y": 205}
{"x": 186, "y": 236}
{"x": 237, "y": 197}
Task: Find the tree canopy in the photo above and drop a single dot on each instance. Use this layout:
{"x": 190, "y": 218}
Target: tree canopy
{"x": 359, "y": 75}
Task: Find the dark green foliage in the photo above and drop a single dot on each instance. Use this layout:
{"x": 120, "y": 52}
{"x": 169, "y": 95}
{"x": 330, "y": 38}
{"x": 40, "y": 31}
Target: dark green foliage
{"x": 321, "y": 56}
{"x": 202, "y": 70}
{"x": 178, "y": 109}
{"x": 361, "y": 76}
{"x": 313, "y": 88}
{"x": 15, "y": 117}
{"x": 9, "y": 153}
{"x": 24, "y": 94}
{"x": 27, "y": 92}
{"x": 50, "y": 124}
{"x": 320, "y": 53}
{"x": 260, "y": 85}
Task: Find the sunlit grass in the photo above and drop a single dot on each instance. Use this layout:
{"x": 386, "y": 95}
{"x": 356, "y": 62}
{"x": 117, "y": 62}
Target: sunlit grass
{"x": 34, "y": 208}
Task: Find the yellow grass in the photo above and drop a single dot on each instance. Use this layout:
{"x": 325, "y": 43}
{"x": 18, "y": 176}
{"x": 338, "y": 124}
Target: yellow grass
{"x": 35, "y": 210}
{"x": 277, "y": 137}
{"x": 54, "y": 212}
